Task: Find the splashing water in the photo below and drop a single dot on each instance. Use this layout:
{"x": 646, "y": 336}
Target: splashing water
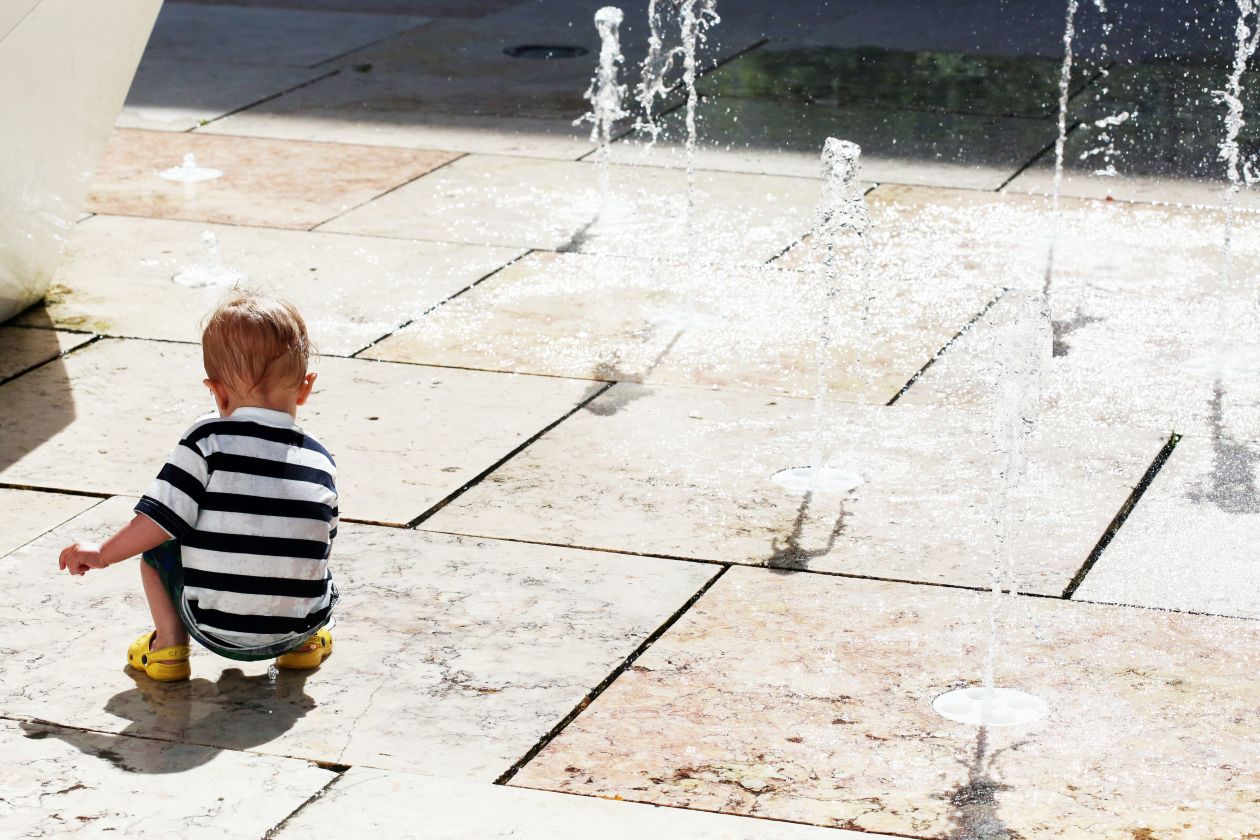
{"x": 1107, "y": 125}
{"x": 189, "y": 172}
{"x": 1246, "y": 37}
{"x": 1014, "y": 383}
{"x": 210, "y": 272}
{"x": 1065, "y": 89}
{"x": 842, "y": 217}
{"x": 655, "y": 69}
{"x": 695, "y": 18}
{"x": 606, "y": 93}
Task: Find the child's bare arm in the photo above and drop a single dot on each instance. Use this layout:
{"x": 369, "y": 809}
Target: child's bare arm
{"x": 140, "y": 535}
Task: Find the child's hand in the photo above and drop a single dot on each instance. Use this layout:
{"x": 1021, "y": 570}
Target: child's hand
{"x": 80, "y": 557}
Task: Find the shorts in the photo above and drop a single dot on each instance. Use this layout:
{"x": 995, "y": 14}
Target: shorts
{"x": 167, "y": 560}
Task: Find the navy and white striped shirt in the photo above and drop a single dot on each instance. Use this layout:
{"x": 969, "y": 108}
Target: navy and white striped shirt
{"x": 252, "y": 500}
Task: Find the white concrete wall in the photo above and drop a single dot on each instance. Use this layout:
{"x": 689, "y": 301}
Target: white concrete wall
{"x": 65, "y": 67}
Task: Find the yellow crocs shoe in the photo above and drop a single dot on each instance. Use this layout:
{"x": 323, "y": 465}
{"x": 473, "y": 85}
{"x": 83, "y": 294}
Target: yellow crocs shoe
{"x": 169, "y": 664}
{"x": 310, "y": 654}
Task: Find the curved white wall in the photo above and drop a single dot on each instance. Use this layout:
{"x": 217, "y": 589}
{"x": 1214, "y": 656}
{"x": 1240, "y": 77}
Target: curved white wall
{"x": 65, "y": 67}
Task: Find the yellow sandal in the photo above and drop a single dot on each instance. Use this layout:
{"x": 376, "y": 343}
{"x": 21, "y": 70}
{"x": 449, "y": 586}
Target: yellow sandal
{"x": 305, "y": 660}
{"x": 142, "y": 658}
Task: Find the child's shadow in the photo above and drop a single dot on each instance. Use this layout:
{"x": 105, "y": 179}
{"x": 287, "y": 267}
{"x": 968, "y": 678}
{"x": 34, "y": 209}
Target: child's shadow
{"x": 173, "y": 723}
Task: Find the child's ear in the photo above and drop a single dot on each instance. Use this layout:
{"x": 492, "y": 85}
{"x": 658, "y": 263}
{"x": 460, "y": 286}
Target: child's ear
{"x": 220, "y": 394}
{"x": 304, "y": 390}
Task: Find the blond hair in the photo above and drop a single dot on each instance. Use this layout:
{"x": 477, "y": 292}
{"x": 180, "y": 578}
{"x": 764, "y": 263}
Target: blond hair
{"x": 253, "y": 341}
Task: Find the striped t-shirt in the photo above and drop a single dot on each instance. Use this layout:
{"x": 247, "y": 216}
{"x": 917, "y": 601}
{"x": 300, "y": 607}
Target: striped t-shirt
{"x": 252, "y": 500}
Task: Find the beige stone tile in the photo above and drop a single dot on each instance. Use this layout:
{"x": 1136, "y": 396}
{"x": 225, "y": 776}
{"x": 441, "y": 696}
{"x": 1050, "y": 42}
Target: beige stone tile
{"x": 22, "y": 348}
{"x": 901, "y": 147}
{"x": 118, "y": 278}
{"x": 524, "y": 202}
{"x": 744, "y": 329}
{"x": 452, "y": 657}
{"x": 382, "y": 802}
{"x": 404, "y": 436}
{"x": 688, "y": 473}
{"x": 406, "y": 110}
{"x": 1189, "y": 543}
{"x": 1122, "y": 360}
{"x": 27, "y": 514}
{"x": 265, "y": 182}
{"x": 168, "y": 95}
{"x": 1167, "y": 189}
{"x": 235, "y": 35}
{"x": 69, "y": 782}
{"x": 802, "y": 698}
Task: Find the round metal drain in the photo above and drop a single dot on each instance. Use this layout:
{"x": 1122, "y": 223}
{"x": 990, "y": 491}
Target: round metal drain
{"x": 546, "y": 51}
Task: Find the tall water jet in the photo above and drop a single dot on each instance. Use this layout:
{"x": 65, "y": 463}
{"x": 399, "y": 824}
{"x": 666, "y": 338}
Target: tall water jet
{"x": 695, "y": 18}
{"x": 1023, "y": 350}
{"x": 1106, "y": 126}
{"x": 606, "y": 93}
{"x": 1246, "y": 37}
{"x": 840, "y": 232}
{"x": 1060, "y": 143}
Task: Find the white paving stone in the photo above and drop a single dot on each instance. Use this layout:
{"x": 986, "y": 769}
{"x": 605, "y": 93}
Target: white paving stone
{"x": 684, "y": 472}
{"x": 452, "y": 657}
{"x": 1189, "y": 544}
{"x": 384, "y": 803}
{"x": 118, "y": 278}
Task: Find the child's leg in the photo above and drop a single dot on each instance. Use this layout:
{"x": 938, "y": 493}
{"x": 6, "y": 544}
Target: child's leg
{"x": 170, "y": 630}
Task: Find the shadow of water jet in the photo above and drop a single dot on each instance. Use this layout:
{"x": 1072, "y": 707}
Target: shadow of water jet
{"x": 609, "y": 370}
{"x": 1234, "y": 464}
{"x": 788, "y": 555}
{"x": 975, "y": 801}
{"x": 1063, "y": 328}
{"x": 236, "y": 712}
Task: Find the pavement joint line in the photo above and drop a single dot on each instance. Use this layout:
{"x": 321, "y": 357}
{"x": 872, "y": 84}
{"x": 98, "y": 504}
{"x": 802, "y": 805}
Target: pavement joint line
{"x": 442, "y": 302}
{"x": 744, "y": 816}
{"x": 95, "y": 338}
{"x": 258, "y": 102}
{"x": 966, "y": 328}
{"x": 345, "y": 211}
{"x": 595, "y": 393}
{"x": 315, "y": 797}
{"x": 1033, "y": 160}
{"x": 608, "y": 680}
{"x": 1122, "y": 515}
{"x": 91, "y": 494}
{"x": 373, "y": 43}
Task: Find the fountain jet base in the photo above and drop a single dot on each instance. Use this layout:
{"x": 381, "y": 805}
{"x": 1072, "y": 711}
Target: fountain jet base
{"x": 818, "y": 479}
{"x": 990, "y": 706}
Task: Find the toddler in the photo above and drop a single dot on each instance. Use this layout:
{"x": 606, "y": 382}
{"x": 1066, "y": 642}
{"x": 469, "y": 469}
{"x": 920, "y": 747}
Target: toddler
{"x": 236, "y": 530}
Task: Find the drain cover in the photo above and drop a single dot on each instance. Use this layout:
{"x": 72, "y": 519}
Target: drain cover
{"x": 546, "y": 51}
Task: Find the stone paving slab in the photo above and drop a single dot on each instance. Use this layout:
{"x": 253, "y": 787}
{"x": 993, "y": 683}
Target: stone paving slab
{"x": 688, "y": 473}
{"x": 70, "y": 783}
{"x": 28, "y": 514}
{"x": 383, "y": 803}
{"x": 1190, "y": 543}
{"x": 1123, "y": 361}
{"x": 799, "y": 698}
{"x": 404, "y": 436}
{"x": 117, "y": 278}
{"x": 260, "y": 35}
{"x": 452, "y": 657}
{"x": 271, "y": 183}
{"x": 403, "y": 109}
{"x": 22, "y": 348}
{"x": 748, "y": 329}
{"x": 900, "y": 147}
{"x": 559, "y": 205}
{"x": 170, "y": 95}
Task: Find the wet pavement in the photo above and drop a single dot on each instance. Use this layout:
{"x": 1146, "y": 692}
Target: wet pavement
{"x": 575, "y": 600}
